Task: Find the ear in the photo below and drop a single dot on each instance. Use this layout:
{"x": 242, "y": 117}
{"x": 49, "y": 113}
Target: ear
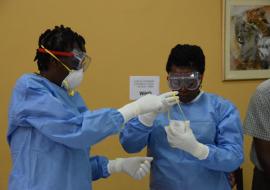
{"x": 55, "y": 64}
{"x": 201, "y": 77}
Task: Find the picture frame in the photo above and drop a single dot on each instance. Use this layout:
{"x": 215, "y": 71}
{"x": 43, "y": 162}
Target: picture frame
{"x": 246, "y": 39}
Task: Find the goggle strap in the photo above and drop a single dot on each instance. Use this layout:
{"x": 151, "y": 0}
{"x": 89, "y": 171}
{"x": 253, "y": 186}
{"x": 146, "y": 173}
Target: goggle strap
{"x": 59, "y": 53}
{"x": 51, "y": 54}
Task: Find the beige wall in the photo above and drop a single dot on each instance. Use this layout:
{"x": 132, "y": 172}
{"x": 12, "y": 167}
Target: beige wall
{"x": 124, "y": 38}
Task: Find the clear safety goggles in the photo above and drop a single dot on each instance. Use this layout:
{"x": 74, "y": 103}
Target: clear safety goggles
{"x": 189, "y": 81}
{"x": 80, "y": 60}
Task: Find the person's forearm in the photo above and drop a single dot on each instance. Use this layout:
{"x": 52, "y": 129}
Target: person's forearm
{"x": 134, "y": 137}
{"x": 262, "y": 148}
{"x": 226, "y": 159}
{"x": 99, "y": 167}
{"x": 265, "y": 163}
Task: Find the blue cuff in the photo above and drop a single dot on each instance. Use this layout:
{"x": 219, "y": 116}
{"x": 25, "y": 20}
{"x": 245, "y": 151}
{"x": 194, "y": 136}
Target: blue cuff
{"x": 99, "y": 167}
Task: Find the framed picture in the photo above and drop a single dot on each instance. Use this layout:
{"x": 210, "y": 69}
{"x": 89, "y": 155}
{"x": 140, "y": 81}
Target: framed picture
{"x": 246, "y": 39}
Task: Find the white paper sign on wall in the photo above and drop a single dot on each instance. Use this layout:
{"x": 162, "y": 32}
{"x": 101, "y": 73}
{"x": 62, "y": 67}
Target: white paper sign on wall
{"x": 142, "y": 85}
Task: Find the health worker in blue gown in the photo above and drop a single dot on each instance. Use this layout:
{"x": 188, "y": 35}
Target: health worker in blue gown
{"x": 51, "y": 130}
{"x": 198, "y": 141}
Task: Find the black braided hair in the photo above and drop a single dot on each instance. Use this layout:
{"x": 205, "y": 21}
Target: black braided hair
{"x": 60, "y": 38}
{"x": 186, "y": 56}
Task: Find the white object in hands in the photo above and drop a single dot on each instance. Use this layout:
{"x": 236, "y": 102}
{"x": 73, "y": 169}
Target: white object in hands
{"x": 136, "y": 167}
{"x": 149, "y": 103}
{"x": 180, "y": 135}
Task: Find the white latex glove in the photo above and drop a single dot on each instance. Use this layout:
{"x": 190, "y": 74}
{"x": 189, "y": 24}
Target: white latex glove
{"x": 168, "y": 100}
{"x": 180, "y": 135}
{"x": 148, "y": 118}
{"x": 149, "y": 103}
{"x": 136, "y": 167}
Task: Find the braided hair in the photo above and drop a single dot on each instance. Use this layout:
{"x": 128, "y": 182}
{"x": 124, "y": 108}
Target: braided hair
{"x": 186, "y": 56}
{"x": 60, "y": 38}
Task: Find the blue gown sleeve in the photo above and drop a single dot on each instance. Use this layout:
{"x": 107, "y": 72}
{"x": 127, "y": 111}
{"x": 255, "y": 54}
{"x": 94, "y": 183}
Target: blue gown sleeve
{"x": 134, "y": 137}
{"x": 38, "y": 108}
{"x": 227, "y": 152}
{"x": 99, "y": 167}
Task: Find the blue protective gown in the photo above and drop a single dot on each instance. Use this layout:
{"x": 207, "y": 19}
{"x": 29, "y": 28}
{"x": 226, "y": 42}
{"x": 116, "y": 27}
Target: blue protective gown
{"x": 50, "y": 134}
{"x": 215, "y": 122}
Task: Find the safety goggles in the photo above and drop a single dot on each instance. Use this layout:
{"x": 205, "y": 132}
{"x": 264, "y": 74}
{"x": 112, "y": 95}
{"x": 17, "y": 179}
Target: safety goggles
{"x": 80, "y": 60}
{"x": 189, "y": 81}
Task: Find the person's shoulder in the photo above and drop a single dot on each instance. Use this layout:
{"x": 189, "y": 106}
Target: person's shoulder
{"x": 222, "y": 106}
{"x": 219, "y": 100}
{"x": 215, "y": 97}
{"x": 30, "y": 80}
{"x": 264, "y": 87}
{"x": 262, "y": 93}
{"x": 22, "y": 82}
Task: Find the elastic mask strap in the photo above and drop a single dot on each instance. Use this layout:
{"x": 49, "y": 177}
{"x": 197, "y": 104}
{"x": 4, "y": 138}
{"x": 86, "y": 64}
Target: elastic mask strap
{"x": 71, "y": 92}
{"x": 51, "y": 54}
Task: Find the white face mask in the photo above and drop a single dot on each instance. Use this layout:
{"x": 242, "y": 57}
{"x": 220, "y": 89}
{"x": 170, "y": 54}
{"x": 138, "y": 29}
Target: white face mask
{"x": 73, "y": 80}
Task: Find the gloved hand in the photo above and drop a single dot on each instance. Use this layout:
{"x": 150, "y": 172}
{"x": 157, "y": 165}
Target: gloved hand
{"x": 168, "y": 101}
{"x": 180, "y": 135}
{"x": 149, "y": 103}
{"x": 136, "y": 167}
{"x": 148, "y": 118}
